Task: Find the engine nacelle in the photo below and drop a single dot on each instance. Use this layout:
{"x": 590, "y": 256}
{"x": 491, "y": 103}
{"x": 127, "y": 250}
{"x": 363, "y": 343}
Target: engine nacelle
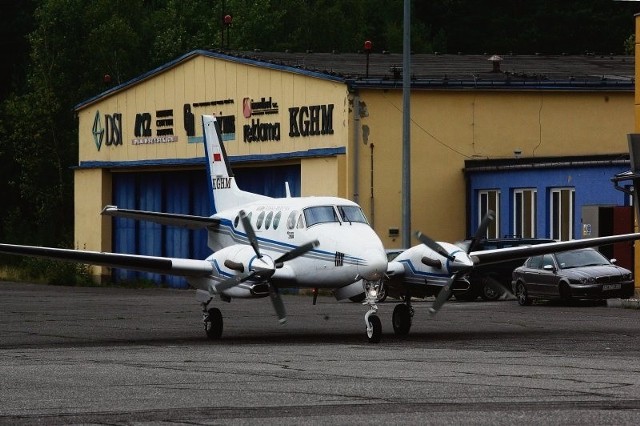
{"x": 234, "y": 262}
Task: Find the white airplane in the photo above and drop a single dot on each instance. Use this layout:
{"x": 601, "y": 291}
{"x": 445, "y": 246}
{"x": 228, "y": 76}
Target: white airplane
{"x": 262, "y": 244}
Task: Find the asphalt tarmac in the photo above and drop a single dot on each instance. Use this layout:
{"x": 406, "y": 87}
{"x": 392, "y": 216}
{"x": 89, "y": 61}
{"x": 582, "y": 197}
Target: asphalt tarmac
{"x": 139, "y": 356}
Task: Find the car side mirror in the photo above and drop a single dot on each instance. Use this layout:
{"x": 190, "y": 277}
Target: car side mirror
{"x": 549, "y": 268}
{"x": 614, "y": 260}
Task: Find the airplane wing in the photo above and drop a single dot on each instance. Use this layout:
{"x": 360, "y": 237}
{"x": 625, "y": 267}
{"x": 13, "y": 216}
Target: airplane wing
{"x": 161, "y": 265}
{"x": 522, "y": 252}
{"x": 173, "y": 219}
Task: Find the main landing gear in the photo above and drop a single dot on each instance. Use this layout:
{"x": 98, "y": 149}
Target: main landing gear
{"x": 212, "y": 318}
{"x": 402, "y": 317}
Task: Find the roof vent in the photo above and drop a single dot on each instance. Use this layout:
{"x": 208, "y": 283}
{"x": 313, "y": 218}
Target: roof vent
{"x": 495, "y": 60}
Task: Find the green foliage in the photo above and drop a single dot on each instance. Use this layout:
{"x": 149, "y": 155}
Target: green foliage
{"x": 60, "y": 50}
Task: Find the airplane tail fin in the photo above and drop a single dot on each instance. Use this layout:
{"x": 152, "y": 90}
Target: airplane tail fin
{"x": 222, "y": 183}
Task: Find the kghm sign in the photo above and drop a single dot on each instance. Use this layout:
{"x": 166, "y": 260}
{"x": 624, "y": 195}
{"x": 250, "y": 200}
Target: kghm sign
{"x": 311, "y": 120}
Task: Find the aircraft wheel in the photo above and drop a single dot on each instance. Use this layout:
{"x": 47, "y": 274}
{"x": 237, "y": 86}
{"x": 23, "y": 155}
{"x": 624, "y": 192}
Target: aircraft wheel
{"x": 374, "y": 331}
{"x": 401, "y": 319}
{"x": 523, "y": 297}
{"x": 489, "y": 293}
{"x": 213, "y": 325}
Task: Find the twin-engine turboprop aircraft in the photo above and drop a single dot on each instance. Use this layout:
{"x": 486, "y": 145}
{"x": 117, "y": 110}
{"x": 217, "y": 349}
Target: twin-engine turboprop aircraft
{"x": 262, "y": 244}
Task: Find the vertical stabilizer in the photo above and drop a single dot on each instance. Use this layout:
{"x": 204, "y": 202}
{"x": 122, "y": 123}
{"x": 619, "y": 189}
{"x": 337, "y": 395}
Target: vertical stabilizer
{"x": 222, "y": 184}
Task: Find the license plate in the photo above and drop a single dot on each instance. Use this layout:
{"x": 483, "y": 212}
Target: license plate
{"x": 611, "y": 287}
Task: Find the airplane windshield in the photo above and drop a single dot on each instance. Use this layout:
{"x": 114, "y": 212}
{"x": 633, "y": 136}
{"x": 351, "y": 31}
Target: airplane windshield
{"x": 352, "y": 214}
{"x": 320, "y": 214}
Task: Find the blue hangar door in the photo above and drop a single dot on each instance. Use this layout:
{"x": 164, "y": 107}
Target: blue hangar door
{"x": 185, "y": 192}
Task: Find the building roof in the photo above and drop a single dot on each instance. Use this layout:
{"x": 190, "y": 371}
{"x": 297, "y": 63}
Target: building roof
{"x": 589, "y": 70}
{"x": 432, "y": 71}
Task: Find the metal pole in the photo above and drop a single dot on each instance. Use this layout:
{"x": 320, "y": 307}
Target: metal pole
{"x": 406, "y": 134}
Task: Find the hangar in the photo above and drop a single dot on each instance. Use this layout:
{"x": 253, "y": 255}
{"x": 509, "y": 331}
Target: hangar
{"x": 536, "y": 138}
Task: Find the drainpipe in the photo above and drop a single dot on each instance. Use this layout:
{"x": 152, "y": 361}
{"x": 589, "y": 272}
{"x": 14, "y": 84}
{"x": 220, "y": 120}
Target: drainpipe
{"x": 356, "y": 147}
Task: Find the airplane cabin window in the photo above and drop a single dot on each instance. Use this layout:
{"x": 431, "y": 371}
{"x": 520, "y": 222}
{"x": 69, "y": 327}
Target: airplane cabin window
{"x": 236, "y": 221}
{"x": 291, "y": 220}
{"x": 352, "y": 214}
{"x": 276, "y": 220}
{"x": 260, "y": 220}
{"x": 267, "y": 221}
{"x": 300, "y": 222}
{"x": 320, "y": 214}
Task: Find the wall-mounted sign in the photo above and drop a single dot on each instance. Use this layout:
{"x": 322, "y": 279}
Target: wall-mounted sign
{"x": 111, "y": 133}
{"x": 311, "y": 120}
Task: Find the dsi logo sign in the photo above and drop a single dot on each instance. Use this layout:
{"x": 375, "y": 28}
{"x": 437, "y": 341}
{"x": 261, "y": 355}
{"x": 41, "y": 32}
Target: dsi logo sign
{"x": 111, "y": 133}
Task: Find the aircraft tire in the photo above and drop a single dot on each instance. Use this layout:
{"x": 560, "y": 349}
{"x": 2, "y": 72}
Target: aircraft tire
{"x": 213, "y": 326}
{"x": 401, "y": 319}
{"x": 375, "y": 334}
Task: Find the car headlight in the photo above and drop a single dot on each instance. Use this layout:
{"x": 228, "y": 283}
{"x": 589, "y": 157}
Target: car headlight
{"x": 587, "y": 280}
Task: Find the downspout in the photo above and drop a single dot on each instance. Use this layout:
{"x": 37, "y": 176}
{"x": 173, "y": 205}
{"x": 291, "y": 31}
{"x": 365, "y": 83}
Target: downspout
{"x": 356, "y": 148}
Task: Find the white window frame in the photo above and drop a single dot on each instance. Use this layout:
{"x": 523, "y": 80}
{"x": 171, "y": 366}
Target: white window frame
{"x": 527, "y": 207}
{"x": 489, "y": 199}
{"x": 558, "y": 212}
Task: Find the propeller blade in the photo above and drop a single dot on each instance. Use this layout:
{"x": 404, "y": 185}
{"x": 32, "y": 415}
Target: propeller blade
{"x": 481, "y": 232}
{"x": 298, "y": 251}
{"x": 234, "y": 281}
{"x": 434, "y": 246}
{"x": 443, "y": 296}
{"x": 278, "y": 305}
{"x": 251, "y": 235}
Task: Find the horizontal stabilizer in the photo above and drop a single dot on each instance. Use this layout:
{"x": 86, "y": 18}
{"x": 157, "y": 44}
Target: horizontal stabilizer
{"x": 172, "y": 219}
{"x": 160, "y": 265}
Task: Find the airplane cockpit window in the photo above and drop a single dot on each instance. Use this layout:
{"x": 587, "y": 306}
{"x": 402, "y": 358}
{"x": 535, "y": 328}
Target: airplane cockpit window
{"x": 235, "y": 221}
{"x": 260, "y": 220}
{"x": 291, "y": 220}
{"x": 320, "y": 214}
{"x": 267, "y": 221}
{"x": 300, "y": 224}
{"x": 352, "y": 214}
{"x": 276, "y": 220}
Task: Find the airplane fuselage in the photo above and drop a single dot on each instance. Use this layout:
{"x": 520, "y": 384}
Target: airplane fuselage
{"x": 348, "y": 249}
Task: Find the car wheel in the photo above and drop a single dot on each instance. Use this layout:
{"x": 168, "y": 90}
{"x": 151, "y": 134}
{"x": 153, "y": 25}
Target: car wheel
{"x": 489, "y": 292}
{"x": 523, "y": 296}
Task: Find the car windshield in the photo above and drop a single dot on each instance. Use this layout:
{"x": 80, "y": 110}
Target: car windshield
{"x": 352, "y": 214}
{"x": 320, "y": 214}
{"x": 578, "y": 258}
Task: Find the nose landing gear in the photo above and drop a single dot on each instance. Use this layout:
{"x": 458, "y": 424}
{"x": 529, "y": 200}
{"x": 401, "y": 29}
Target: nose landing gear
{"x": 371, "y": 319}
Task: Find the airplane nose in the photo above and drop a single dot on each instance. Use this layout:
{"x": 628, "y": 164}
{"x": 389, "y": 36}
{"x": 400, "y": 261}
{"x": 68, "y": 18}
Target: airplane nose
{"x": 374, "y": 266}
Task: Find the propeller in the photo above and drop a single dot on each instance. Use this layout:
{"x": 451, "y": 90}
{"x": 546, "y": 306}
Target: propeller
{"x": 463, "y": 266}
{"x": 481, "y": 232}
{"x": 264, "y": 268}
{"x": 443, "y": 295}
{"x": 434, "y": 246}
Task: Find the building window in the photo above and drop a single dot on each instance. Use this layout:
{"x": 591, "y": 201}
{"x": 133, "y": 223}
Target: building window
{"x": 490, "y": 200}
{"x": 524, "y": 213}
{"x": 562, "y": 202}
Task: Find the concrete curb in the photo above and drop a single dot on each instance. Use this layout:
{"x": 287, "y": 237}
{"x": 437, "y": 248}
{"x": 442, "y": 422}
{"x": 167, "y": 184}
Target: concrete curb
{"x": 623, "y": 303}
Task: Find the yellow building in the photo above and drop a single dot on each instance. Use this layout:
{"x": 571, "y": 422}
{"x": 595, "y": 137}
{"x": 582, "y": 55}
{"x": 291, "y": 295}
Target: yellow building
{"x": 317, "y": 122}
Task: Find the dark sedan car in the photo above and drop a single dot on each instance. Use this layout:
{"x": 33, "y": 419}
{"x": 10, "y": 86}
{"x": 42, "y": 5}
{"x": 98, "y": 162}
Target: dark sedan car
{"x": 574, "y": 274}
